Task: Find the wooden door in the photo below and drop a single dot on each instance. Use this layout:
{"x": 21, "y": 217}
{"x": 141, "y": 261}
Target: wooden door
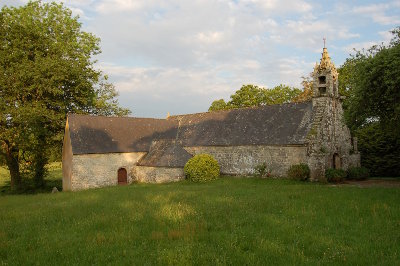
{"x": 122, "y": 176}
{"x": 336, "y": 161}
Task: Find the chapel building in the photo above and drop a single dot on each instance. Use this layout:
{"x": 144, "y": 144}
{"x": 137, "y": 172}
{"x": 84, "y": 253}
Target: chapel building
{"x": 104, "y": 151}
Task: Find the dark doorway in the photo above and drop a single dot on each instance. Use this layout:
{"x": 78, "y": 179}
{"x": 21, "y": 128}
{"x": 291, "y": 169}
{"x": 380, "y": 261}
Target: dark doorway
{"x": 122, "y": 176}
{"x": 336, "y": 161}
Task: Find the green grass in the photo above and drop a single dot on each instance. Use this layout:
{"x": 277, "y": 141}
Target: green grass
{"x": 228, "y": 221}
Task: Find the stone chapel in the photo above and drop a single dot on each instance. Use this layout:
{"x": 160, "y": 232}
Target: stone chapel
{"x": 105, "y": 151}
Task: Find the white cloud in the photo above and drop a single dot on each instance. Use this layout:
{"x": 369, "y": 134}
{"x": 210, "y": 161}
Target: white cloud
{"x": 279, "y": 6}
{"x": 378, "y": 13}
{"x": 110, "y": 6}
{"x": 209, "y": 37}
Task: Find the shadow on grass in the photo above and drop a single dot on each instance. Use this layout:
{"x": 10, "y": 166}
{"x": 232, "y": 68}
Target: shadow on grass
{"x": 28, "y": 187}
{"x": 53, "y": 179}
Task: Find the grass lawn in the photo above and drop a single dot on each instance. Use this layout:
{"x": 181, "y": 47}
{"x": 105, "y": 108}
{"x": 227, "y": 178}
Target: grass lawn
{"x": 228, "y": 221}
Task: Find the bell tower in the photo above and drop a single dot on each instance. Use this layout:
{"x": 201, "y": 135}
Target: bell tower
{"x": 325, "y": 77}
{"x": 329, "y": 139}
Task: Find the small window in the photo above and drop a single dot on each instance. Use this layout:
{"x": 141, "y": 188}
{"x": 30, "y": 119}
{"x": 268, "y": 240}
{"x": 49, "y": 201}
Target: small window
{"x": 322, "y": 91}
{"x": 322, "y": 80}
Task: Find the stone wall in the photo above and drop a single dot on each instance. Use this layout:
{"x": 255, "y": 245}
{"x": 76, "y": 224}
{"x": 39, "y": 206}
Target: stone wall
{"x": 147, "y": 174}
{"x": 329, "y": 136}
{"x": 241, "y": 160}
{"x": 100, "y": 170}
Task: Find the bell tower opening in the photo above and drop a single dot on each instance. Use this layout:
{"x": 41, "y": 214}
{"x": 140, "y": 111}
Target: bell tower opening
{"x": 325, "y": 77}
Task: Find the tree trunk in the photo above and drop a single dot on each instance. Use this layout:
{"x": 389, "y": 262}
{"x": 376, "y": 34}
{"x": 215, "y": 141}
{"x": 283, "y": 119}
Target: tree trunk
{"x": 39, "y": 162}
{"x": 12, "y": 155}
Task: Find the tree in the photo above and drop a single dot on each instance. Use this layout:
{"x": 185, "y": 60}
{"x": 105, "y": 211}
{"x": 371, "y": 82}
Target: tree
{"x": 280, "y": 94}
{"x": 246, "y": 96}
{"x": 371, "y": 80}
{"x": 218, "y": 105}
{"x": 252, "y": 96}
{"x": 307, "y": 93}
{"x": 46, "y": 71}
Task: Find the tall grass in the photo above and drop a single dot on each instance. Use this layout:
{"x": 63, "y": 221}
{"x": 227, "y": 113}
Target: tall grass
{"x": 228, "y": 221}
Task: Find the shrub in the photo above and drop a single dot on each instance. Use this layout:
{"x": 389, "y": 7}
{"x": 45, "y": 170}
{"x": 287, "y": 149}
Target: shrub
{"x": 335, "y": 175}
{"x": 201, "y": 168}
{"x": 299, "y": 172}
{"x": 358, "y": 173}
{"x": 262, "y": 170}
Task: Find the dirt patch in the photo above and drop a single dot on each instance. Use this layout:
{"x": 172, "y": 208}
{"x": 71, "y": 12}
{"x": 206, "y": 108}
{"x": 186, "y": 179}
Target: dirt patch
{"x": 381, "y": 182}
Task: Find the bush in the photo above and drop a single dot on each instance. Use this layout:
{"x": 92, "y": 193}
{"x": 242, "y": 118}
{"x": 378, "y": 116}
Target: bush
{"x": 299, "y": 172}
{"x": 201, "y": 168}
{"x": 358, "y": 173}
{"x": 335, "y": 175}
{"x": 262, "y": 170}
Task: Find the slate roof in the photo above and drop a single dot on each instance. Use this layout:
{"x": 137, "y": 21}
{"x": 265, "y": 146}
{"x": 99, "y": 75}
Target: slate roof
{"x": 99, "y": 134}
{"x": 285, "y": 124}
{"x": 166, "y": 153}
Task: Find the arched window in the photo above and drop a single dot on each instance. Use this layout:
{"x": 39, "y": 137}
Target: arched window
{"x": 122, "y": 176}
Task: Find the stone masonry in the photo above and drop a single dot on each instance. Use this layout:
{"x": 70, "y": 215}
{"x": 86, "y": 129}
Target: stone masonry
{"x": 148, "y": 174}
{"x": 100, "y": 170}
{"x": 241, "y": 160}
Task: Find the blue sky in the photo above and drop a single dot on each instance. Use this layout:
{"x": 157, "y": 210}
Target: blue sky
{"x": 178, "y": 56}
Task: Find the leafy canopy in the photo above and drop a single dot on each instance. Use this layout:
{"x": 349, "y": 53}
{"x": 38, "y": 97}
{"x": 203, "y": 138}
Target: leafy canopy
{"x": 253, "y": 96}
{"x": 46, "y": 71}
{"x": 371, "y": 80}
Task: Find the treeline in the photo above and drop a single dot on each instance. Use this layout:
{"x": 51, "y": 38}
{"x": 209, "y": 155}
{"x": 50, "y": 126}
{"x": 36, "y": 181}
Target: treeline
{"x": 252, "y": 95}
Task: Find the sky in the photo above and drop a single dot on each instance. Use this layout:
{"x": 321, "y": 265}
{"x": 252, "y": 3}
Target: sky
{"x": 178, "y": 57}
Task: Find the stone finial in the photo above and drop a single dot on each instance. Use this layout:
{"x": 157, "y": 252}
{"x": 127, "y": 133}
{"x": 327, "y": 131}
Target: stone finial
{"x": 325, "y": 62}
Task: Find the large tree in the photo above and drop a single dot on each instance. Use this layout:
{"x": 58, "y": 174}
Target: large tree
{"x": 371, "y": 80}
{"x": 46, "y": 71}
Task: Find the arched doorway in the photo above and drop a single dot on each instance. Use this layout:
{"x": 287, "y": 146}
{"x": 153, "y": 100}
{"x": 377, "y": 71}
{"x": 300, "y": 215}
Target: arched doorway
{"x": 122, "y": 176}
{"x": 336, "y": 161}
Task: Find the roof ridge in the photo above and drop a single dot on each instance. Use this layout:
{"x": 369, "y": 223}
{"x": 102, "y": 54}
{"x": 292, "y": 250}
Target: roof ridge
{"x": 119, "y": 117}
{"x": 241, "y": 108}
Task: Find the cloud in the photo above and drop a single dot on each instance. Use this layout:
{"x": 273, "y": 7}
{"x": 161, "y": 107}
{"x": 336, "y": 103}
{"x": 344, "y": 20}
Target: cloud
{"x": 111, "y": 6}
{"x": 279, "y": 7}
{"x": 158, "y": 90}
{"x": 378, "y": 13}
{"x": 178, "y": 56}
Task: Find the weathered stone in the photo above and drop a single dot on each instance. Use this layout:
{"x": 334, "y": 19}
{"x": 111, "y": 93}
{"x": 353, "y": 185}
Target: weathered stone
{"x": 241, "y": 160}
{"x": 100, "y": 170}
{"x": 148, "y": 174}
